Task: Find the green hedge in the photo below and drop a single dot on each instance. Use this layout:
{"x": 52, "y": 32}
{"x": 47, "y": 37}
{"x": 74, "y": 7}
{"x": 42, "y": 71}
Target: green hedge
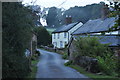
{"x": 90, "y": 46}
{"x": 107, "y": 64}
{"x": 16, "y": 30}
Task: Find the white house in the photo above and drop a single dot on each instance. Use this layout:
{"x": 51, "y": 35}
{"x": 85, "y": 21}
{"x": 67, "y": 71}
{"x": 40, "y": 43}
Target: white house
{"x": 61, "y": 36}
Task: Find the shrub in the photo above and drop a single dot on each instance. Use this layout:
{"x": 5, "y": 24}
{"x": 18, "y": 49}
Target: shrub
{"x": 43, "y": 36}
{"x": 35, "y": 55}
{"x": 16, "y": 38}
{"x": 65, "y": 56}
{"x": 90, "y": 46}
{"x": 107, "y": 64}
{"x": 38, "y": 53}
{"x": 51, "y": 45}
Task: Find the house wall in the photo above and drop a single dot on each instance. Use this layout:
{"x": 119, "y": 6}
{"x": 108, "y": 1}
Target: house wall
{"x": 57, "y": 40}
{"x": 74, "y": 28}
{"x": 114, "y": 32}
{"x": 108, "y": 33}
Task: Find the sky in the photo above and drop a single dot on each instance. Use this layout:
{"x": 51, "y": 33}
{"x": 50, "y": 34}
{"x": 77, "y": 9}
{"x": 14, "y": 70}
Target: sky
{"x": 66, "y": 3}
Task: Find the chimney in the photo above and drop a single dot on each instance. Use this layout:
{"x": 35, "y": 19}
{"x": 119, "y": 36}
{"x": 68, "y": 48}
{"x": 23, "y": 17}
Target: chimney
{"x": 105, "y": 11}
{"x": 68, "y": 19}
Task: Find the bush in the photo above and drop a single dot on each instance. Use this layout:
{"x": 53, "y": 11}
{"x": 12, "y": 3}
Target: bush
{"x": 35, "y": 55}
{"x": 107, "y": 64}
{"x": 38, "y": 53}
{"x": 43, "y": 36}
{"x": 118, "y": 67}
{"x": 51, "y": 45}
{"x": 90, "y": 46}
{"x": 65, "y": 56}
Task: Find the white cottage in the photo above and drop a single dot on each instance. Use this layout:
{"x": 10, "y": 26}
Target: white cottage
{"x": 61, "y": 36}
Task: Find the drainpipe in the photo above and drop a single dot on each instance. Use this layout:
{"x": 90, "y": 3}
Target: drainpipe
{"x": 68, "y": 37}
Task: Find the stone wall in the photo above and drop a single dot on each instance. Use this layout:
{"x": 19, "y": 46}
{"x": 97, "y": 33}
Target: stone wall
{"x": 71, "y": 50}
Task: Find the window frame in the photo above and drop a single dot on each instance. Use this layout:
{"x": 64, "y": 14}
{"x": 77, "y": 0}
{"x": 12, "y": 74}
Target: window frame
{"x": 65, "y": 34}
{"x": 61, "y": 44}
{"x": 58, "y": 35}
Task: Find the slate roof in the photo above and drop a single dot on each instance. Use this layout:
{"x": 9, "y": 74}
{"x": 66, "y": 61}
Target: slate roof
{"x": 94, "y": 26}
{"x": 65, "y": 28}
{"x": 111, "y": 40}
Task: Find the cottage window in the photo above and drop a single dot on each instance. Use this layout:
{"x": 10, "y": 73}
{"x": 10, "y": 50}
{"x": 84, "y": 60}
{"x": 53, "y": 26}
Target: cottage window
{"x": 65, "y": 34}
{"x": 61, "y": 44}
{"x": 58, "y": 35}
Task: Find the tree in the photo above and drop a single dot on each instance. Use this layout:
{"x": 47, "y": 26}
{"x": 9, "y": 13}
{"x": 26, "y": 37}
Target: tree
{"x": 51, "y": 17}
{"x": 85, "y": 13}
{"x": 43, "y": 36}
{"x": 17, "y": 25}
{"x": 115, "y": 12}
{"x": 56, "y": 16}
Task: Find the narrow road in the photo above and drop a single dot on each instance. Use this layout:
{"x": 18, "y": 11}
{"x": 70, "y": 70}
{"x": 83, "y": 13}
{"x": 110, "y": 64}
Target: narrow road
{"x": 51, "y": 65}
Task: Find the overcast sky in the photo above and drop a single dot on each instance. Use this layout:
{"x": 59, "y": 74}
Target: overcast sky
{"x": 66, "y": 3}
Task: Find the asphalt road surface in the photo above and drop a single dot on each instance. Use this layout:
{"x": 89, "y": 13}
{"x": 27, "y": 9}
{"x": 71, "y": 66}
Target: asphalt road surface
{"x": 51, "y": 65}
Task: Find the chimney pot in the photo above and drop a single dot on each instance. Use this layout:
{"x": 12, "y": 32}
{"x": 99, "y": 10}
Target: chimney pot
{"x": 68, "y": 19}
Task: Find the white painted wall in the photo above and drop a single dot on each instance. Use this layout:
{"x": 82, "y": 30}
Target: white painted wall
{"x": 114, "y": 32}
{"x": 62, "y": 38}
{"x": 74, "y": 28}
{"x": 108, "y": 33}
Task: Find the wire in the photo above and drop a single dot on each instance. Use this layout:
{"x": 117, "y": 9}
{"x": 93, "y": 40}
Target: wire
{"x": 34, "y": 2}
{"x": 62, "y": 3}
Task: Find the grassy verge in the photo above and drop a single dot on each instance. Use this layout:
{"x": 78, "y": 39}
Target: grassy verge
{"x": 33, "y": 68}
{"x": 91, "y": 75}
{"x": 50, "y": 30}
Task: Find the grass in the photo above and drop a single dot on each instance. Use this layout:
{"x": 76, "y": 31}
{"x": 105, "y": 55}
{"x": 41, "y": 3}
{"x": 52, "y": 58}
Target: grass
{"x": 91, "y": 75}
{"x": 50, "y": 30}
{"x": 33, "y": 68}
